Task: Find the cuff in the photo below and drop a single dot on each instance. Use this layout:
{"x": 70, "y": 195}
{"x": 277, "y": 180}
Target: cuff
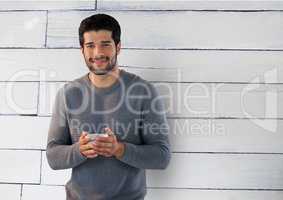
{"x": 78, "y": 156}
{"x": 127, "y": 157}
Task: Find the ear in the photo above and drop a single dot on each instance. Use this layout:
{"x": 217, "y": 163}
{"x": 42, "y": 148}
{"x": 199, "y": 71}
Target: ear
{"x": 82, "y": 50}
{"x": 118, "y": 48}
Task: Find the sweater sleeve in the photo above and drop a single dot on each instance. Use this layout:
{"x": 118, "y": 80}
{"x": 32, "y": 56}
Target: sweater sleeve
{"x": 154, "y": 153}
{"x": 60, "y": 152}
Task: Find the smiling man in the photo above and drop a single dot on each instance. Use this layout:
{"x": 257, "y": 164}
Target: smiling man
{"x": 123, "y": 110}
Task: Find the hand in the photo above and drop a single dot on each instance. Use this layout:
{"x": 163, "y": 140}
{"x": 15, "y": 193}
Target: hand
{"x": 108, "y": 146}
{"x": 86, "y": 147}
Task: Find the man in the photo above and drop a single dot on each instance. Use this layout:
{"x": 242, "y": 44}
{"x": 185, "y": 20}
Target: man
{"x": 114, "y": 102}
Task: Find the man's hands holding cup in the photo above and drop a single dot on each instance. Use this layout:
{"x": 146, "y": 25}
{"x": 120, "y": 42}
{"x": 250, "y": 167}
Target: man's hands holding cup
{"x": 104, "y": 146}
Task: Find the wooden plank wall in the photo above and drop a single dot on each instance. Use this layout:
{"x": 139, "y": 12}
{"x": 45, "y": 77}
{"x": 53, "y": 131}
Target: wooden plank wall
{"x": 218, "y": 65}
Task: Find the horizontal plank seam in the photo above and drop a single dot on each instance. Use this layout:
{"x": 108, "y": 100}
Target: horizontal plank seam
{"x": 173, "y": 152}
{"x": 23, "y": 10}
{"x": 21, "y": 149}
{"x": 168, "y": 117}
{"x": 99, "y": 9}
{"x": 220, "y": 153}
{"x": 136, "y": 48}
{"x": 44, "y": 10}
{"x": 189, "y": 10}
{"x": 142, "y": 10}
{"x": 228, "y": 118}
{"x": 244, "y": 189}
{"x": 200, "y": 49}
{"x": 23, "y": 115}
{"x": 18, "y": 183}
{"x": 187, "y": 82}
{"x": 188, "y": 188}
{"x": 232, "y": 83}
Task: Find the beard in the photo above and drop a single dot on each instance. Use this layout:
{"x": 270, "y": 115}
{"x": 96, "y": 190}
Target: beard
{"x": 111, "y": 64}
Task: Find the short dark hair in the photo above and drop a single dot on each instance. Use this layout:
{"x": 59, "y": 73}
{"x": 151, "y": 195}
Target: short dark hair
{"x": 100, "y": 22}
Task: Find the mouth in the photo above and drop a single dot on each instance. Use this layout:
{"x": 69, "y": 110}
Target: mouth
{"x": 99, "y": 61}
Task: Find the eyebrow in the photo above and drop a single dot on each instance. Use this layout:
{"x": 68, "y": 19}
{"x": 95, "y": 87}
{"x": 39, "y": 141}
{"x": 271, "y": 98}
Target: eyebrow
{"x": 103, "y": 42}
{"x": 106, "y": 42}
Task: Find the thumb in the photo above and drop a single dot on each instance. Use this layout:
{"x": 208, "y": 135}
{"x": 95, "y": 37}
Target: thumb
{"x": 83, "y": 137}
{"x": 84, "y": 134}
{"x": 108, "y": 131}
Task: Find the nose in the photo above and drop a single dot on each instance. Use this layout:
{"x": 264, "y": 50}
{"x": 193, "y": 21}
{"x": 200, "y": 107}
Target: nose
{"x": 98, "y": 51}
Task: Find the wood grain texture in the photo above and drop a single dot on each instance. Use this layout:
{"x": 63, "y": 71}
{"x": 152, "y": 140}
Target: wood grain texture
{"x": 222, "y": 171}
{"x": 53, "y": 177}
{"x": 18, "y": 98}
{"x": 185, "y": 194}
{"x": 41, "y": 64}
{"x": 173, "y": 65}
{"x": 10, "y": 191}
{"x": 184, "y": 29}
{"x": 46, "y": 5}
{"x": 186, "y": 135}
{"x": 206, "y": 66}
{"x": 203, "y": 100}
{"x": 24, "y": 132}
{"x": 226, "y": 135}
{"x": 208, "y": 62}
{"x": 20, "y": 166}
{"x": 23, "y": 29}
{"x": 222, "y": 100}
{"x": 31, "y": 192}
{"x": 47, "y": 94}
{"x": 188, "y": 5}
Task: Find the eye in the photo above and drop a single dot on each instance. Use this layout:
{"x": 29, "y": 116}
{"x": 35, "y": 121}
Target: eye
{"x": 90, "y": 46}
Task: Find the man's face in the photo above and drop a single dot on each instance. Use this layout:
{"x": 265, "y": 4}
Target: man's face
{"x": 99, "y": 51}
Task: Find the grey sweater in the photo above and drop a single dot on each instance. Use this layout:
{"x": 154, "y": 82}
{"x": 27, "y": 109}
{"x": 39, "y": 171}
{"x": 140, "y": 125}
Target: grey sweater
{"x": 133, "y": 110}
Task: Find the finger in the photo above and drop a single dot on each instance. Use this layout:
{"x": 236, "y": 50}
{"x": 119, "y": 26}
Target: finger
{"x": 102, "y": 150}
{"x": 109, "y": 131}
{"x": 104, "y": 154}
{"x": 92, "y": 156}
{"x": 111, "y": 134}
{"x": 84, "y": 134}
{"x": 102, "y": 144}
{"x": 83, "y": 138}
{"x": 90, "y": 153}
{"x": 84, "y": 141}
{"x": 108, "y": 139}
{"x": 86, "y": 147}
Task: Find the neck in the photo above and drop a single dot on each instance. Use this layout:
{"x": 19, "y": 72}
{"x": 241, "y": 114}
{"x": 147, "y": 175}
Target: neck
{"x": 103, "y": 81}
